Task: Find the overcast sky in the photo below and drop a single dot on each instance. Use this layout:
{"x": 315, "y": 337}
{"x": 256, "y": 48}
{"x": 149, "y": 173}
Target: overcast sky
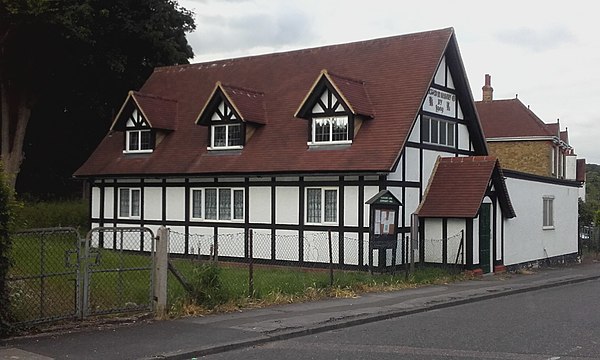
{"x": 547, "y": 52}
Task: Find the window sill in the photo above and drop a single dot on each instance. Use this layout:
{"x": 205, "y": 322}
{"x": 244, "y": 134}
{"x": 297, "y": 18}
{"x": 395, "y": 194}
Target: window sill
{"x": 329, "y": 145}
{"x": 548, "y": 227}
{"x": 212, "y": 148}
{"x": 137, "y": 151}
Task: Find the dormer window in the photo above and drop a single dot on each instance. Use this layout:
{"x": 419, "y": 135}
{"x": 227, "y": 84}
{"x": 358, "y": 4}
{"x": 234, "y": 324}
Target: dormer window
{"x": 333, "y": 117}
{"x": 225, "y": 129}
{"x": 232, "y": 115}
{"x": 138, "y": 135}
{"x": 331, "y": 129}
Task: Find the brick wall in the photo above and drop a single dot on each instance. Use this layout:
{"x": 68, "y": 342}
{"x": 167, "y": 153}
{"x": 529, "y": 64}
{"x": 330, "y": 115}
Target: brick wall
{"x": 534, "y": 157}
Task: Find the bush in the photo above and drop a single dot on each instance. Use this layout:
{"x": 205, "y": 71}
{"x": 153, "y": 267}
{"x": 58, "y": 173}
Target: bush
{"x": 7, "y": 206}
{"x": 44, "y": 214}
{"x": 207, "y": 286}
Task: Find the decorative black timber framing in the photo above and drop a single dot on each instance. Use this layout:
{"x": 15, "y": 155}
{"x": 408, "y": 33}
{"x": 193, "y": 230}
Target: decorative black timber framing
{"x": 445, "y": 241}
{"x": 361, "y": 221}
{"x": 301, "y": 190}
{"x": 142, "y": 213}
{"x": 468, "y": 242}
{"x": 187, "y": 216}
{"x": 273, "y": 218}
{"x": 246, "y": 217}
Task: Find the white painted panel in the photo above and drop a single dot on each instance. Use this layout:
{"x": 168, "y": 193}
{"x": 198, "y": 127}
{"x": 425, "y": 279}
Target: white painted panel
{"x": 456, "y": 232}
{"x": 176, "y": 239}
{"x": 316, "y": 246}
{"x": 525, "y": 239}
{"x": 152, "y": 203}
{"x": 440, "y": 75}
{"x": 286, "y": 245}
{"x": 287, "y": 207}
{"x": 476, "y": 240}
{"x": 459, "y": 113}
{"x": 320, "y": 178}
{"x": 397, "y": 174}
{"x": 449, "y": 80}
{"x": 411, "y": 201}
{"x": 415, "y": 134}
{"x": 152, "y": 181}
{"x": 351, "y": 248}
{"x": 200, "y": 238}
{"x": 571, "y": 167}
{"x": 412, "y": 164}
{"x": 261, "y": 243}
{"x": 429, "y": 159}
{"x": 499, "y": 220}
{"x": 464, "y": 140}
{"x": 109, "y": 202}
{"x": 260, "y": 179}
{"x": 260, "y": 205}
{"x": 175, "y": 203}
{"x": 370, "y": 191}
{"x": 289, "y": 178}
{"x": 433, "y": 240}
{"x": 226, "y": 180}
{"x": 351, "y": 206}
{"x": 231, "y": 241}
{"x": 96, "y": 202}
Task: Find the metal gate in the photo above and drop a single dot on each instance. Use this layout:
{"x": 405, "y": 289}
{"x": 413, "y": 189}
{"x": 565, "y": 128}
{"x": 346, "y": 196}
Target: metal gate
{"x": 57, "y": 275}
{"x": 118, "y": 276}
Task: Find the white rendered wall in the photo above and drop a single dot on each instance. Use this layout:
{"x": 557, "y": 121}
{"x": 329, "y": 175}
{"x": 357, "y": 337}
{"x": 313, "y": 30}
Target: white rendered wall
{"x": 109, "y": 202}
{"x": 412, "y": 164}
{"x": 96, "y": 202}
{"x": 464, "y": 141}
{"x": 152, "y": 203}
{"x": 260, "y": 205}
{"x": 571, "y": 167}
{"x": 525, "y": 239}
{"x": 175, "y": 203}
{"x": 286, "y": 199}
{"x": 351, "y": 205}
{"x": 456, "y": 233}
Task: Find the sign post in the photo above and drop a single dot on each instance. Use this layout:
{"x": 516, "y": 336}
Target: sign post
{"x": 383, "y": 228}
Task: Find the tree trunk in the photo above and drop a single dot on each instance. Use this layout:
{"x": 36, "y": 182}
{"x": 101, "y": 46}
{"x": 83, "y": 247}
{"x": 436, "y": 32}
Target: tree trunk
{"x": 16, "y": 111}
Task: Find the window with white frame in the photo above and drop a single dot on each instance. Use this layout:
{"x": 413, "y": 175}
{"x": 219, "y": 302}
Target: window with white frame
{"x": 321, "y": 205}
{"x": 138, "y": 135}
{"x": 439, "y": 132}
{"x": 221, "y": 204}
{"x": 548, "y": 209}
{"x": 330, "y": 129}
{"x": 129, "y": 202}
{"x": 226, "y": 129}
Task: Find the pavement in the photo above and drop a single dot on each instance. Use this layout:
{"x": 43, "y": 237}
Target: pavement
{"x": 194, "y": 337}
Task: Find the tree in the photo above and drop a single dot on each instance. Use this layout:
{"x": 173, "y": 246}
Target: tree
{"x": 6, "y": 216}
{"x": 81, "y": 57}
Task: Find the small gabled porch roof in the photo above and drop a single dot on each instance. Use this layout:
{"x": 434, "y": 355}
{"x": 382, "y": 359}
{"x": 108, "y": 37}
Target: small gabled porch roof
{"x": 458, "y": 185}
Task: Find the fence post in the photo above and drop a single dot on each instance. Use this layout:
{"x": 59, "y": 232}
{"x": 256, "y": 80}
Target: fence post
{"x": 330, "y": 260}
{"x": 161, "y": 266}
{"x": 250, "y": 264}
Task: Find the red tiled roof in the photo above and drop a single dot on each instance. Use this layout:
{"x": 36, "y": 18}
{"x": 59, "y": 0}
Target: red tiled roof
{"x": 354, "y": 94}
{"x": 510, "y": 118}
{"x": 160, "y": 112}
{"x": 395, "y": 72}
{"x": 458, "y": 185}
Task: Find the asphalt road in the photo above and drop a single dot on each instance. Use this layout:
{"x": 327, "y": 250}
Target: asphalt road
{"x": 557, "y": 323}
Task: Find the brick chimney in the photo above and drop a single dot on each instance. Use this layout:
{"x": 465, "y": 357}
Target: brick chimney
{"x": 488, "y": 90}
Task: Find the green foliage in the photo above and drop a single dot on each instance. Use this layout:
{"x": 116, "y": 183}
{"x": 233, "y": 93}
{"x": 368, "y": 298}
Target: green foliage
{"x": 7, "y": 205}
{"x": 94, "y": 52}
{"x": 587, "y": 215}
{"x": 207, "y": 286}
{"x": 45, "y": 214}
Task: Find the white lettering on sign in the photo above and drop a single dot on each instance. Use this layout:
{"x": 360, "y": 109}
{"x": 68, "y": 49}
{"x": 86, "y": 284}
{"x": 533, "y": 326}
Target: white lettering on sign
{"x": 440, "y": 102}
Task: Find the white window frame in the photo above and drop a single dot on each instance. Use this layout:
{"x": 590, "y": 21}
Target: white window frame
{"x": 139, "y": 150}
{"x": 331, "y": 120}
{"x": 548, "y": 212}
{"x": 448, "y": 124}
{"x": 130, "y": 210}
{"x": 323, "y": 210}
{"x": 226, "y": 147}
{"x": 218, "y": 204}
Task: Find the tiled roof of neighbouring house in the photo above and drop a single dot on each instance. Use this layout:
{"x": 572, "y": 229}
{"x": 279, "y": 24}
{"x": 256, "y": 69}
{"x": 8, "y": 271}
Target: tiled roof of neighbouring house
{"x": 392, "y": 78}
{"x": 510, "y": 118}
{"x": 458, "y": 186}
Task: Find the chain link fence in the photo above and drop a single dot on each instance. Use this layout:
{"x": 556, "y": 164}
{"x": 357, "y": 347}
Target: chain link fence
{"x": 446, "y": 252}
{"x": 589, "y": 239}
{"x": 256, "y": 263}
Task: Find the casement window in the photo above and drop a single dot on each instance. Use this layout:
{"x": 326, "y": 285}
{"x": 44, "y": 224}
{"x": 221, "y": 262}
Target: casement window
{"x": 138, "y": 134}
{"x": 226, "y": 136}
{"x": 439, "y": 132}
{"x": 226, "y": 130}
{"x": 129, "y": 202}
{"x": 138, "y": 141}
{"x": 330, "y": 129}
{"x": 221, "y": 204}
{"x": 321, "y": 205}
{"x": 548, "y": 209}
